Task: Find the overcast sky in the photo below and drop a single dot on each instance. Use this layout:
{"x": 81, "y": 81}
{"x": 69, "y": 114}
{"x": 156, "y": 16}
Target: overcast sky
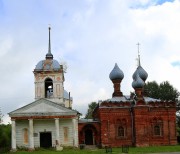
{"x": 90, "y": 36}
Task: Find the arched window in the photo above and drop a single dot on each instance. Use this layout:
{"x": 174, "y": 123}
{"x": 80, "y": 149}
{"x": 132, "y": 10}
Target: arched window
{"x": 121, "y": 131}
{"x": 157, "y": 130}
{"x": 157, "y": 126}
{"x": 25, "y": 136}
{"x": 48, "y": 88}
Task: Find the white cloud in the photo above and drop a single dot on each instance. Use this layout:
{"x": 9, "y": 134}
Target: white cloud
{"x": 91, "y": 37}
{"x": 5, "y": 46}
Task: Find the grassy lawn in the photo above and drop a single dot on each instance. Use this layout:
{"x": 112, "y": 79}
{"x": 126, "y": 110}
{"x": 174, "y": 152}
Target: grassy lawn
{"x": 132, "y": 150}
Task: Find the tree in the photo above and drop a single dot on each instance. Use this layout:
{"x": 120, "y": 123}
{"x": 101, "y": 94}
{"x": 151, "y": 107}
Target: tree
{"x": 151, "y": 89}
{"x": 5, "y": 137}
{"x": 163, "y": 91}
{"x": 1, "y": 116}
{"x": 91, "y": 107}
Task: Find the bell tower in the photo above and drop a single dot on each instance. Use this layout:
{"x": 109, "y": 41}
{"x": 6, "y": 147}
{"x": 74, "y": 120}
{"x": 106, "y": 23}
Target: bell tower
{"x": 49, "y": 78}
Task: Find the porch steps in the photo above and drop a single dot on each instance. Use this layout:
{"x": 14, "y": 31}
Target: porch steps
{"x": 91, "y": 147}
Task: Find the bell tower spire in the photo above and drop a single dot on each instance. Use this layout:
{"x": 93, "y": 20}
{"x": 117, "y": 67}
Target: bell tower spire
{"x": 139, "y": 63}
{"x": 49, "y": 54}
{"x": 49, "y": 78}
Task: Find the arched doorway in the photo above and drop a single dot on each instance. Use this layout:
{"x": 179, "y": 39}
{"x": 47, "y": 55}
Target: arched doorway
{"x": 88, "y": 137}
{"x": 88, "y": 134}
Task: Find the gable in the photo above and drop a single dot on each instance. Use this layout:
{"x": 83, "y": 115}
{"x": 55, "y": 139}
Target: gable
{"x": 42, "y": 107}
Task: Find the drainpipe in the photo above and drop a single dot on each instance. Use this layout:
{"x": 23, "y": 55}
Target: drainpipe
{"x": 108, "y": 127}
{"x": 108, "y": 132}
{"x": 168, "y": 127}
{"x": 132, "y": 125}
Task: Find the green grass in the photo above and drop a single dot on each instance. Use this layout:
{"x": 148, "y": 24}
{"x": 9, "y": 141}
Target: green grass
{"x": 132, "y": 150}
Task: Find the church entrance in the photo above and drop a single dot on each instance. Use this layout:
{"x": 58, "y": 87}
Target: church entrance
{"x": 89, "y": 133}
{"x": 88, "y": 137}
{"x": 45, "y": 139}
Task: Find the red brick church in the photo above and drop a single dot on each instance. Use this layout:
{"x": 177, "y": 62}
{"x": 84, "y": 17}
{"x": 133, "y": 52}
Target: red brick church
{"x": 134, "y": 120}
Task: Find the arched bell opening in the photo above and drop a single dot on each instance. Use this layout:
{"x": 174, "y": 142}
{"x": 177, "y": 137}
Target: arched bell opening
{"x": 48, "y": 88}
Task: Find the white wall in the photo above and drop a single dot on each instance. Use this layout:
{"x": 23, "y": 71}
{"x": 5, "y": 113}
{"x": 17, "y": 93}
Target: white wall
{"x": 20, "y": 125}
{"x": 47, "y": 125}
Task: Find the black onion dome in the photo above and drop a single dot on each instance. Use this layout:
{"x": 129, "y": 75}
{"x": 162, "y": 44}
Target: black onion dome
{"x": 138, "y": 82}
{"x": 116, "y": 73}
{"x": 142, "y": 73}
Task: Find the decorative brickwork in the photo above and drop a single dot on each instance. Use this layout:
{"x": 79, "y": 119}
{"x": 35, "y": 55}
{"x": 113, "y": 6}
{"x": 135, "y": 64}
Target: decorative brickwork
{"x": 89, "y": 133}
{"x": 133, "y": 120}
{"x": 138, "y": 125}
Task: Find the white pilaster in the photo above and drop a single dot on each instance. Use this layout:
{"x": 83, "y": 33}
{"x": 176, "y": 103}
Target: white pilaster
{"x": 57, "y": 131}
{"x": 31, "y": 136}
{"x": 75, "y": 130}
{"x": 13, "y": 135}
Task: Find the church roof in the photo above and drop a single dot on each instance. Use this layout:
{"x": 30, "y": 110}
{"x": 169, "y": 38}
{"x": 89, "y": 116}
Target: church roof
{"x": 119, "y": 99}
{"x": 42, "y": 107}
{"x": 47, "y": 65}
{"x": 149, "y": 99}
{"x": 87, "y": 121}
{"x": 126, "y": 98}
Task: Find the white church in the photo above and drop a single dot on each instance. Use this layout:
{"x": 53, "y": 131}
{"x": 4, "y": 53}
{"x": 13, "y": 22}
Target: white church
{"x": 49, "y": 121}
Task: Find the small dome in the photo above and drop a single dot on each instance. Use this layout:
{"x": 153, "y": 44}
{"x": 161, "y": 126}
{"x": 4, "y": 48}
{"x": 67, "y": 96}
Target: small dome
{"x": 116, "y": 73}
{"x": 138, "y": 82}
{"x": 142, "y": 73}
{"x": 48, "y": 65}
{"x": 66, "y": 95}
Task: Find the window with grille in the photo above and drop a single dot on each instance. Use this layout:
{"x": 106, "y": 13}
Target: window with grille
{"x": 157, "y": 126}
{"x": 121, "y": 131}
{"x": 157, "y": 130}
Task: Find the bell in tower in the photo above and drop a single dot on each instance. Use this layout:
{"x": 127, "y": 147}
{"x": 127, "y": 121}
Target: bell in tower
{"x": 49, "y": 78}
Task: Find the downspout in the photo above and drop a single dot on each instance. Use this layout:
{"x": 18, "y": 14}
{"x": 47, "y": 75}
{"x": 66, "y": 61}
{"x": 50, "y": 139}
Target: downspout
{"x": 108, "y": 128}
{"x": 132, "y": 124}
{"x": 168, "y": 127}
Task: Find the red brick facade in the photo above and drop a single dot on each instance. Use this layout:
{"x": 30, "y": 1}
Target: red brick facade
{"x": 139, "y": 125}
{"x": 89, "y": 133}
{"x": 134, "y": 121}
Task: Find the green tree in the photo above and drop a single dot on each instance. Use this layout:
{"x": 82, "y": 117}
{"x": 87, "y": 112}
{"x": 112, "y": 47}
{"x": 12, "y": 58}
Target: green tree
{"x": 152, "y": 89}
{"x": 91, "y": 107}
{"x": 163, "y": 91}
{"x": 1, "y": 116}
{"x": 5, "y": 136}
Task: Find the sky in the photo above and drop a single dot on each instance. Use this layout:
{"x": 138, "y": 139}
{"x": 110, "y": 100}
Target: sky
{"x": 90, "y": 36}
